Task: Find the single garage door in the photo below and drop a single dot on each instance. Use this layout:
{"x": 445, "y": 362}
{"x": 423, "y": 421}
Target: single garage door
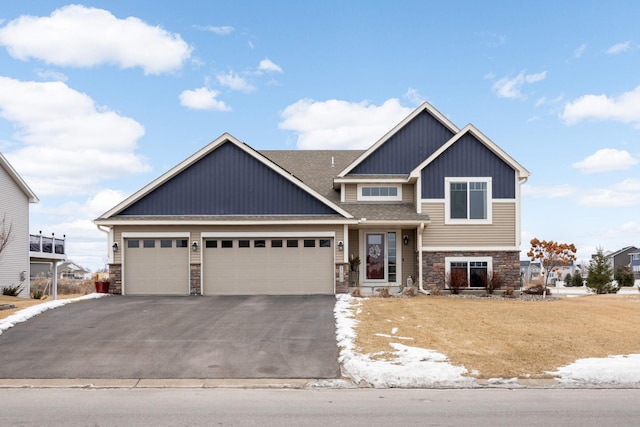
{"x": 268, "y": 266}
{"x": 156, "y": 267}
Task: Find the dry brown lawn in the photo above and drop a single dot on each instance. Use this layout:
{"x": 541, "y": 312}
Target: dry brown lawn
{"x": 504, "y": 338}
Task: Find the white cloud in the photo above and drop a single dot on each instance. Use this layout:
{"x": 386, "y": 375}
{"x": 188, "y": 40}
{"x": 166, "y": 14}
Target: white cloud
{"x": 548, "y": 191}
{"x": 78, "y": 36}
{"x": 51, "y": 75}
{"x": 202, "y": 99}
{"x": 235, "y": 82}
{"x": 67, "y": 143}
{"x": 413, "y": 96}
{"x": 622, "y": 194}
{"x": 624, "y": 108}
{"x": 220, "y": 30}
{"x": 607, "y": 159}
{"x": 268, "y": 65}
{"x": 619, "y": 48}
{"x": 336, "y": 124}
{"x": 512, "y": 87}
{"x": 580, "y": 50}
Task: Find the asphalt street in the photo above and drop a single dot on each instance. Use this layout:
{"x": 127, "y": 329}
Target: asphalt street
{"x": 176, "y": 337}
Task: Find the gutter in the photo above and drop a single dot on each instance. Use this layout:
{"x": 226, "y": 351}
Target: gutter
{"x": 420, "y": 288}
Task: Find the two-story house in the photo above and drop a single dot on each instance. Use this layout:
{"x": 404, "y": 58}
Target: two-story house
{"x": 426, "y": 199}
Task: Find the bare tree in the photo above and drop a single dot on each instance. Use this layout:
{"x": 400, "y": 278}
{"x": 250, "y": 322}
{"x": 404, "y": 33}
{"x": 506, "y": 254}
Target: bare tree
{"x": 5, "y": 233}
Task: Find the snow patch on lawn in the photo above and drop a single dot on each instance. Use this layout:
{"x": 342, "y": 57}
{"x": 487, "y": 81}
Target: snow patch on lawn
{"x": 612, "y": 370}
{"x": 411, "y": 367}
{"x": 29, "y": 312}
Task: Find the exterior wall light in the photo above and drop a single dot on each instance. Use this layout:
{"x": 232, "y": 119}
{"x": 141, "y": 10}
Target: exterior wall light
{"x": 194, "y": 246}
{"x": 340, "y": 246}
{"x": 115, "y": 247}
{"x": 405, "y": 240}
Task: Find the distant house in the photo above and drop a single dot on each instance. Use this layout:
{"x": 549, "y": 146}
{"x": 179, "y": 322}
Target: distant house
{"x": 15, "y": 196}
{"x": 530, "y": 271}
{"x": 634, "y": 263}
{"x": 621, "y": 258}
{"x": 71, "y": 270}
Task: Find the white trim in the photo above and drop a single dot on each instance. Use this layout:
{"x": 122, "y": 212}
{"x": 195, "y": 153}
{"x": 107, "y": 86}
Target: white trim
{"x": 418, "y": 194}
{"x": 193, "y": 222}
{"x": 424, "y": 107}
{"x": 432, "y": 200}
{"x": 345, "y": 233}
{"x": 362, "y": 235}
{"x": 231, "y": 234}
{"x": 343, "y": 195}
{"x": 157, "y": 235}
{"x": 372, "y": 180}
{"x": 470, "y": 248}
{"x": 361, "y": 198}
{"x": 504, "y": 201}
{"x": 449, "y": 260}
{"x": 447, "y": 200}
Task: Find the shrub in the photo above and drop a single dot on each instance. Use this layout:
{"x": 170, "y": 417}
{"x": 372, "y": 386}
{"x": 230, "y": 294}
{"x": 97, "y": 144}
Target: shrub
{"x": 384, "y": 292}
{"x": 599, "y": 278}
{"x": 435, "y": 291}
{"x": 456, "y": 279}
{"x": 577, "y": 280}
{"x": 12, "y": 290}
{"x": 537, "y": 289}
{"x": 36, "y": 293}
{"x": 410, "y": 292}
{"x": 568, "y": 280}
{"x": 356, "y": 293}
{"x": 493, "y": 282}
{"x": 508, "y": 292}
{"x": 624, "y": 276}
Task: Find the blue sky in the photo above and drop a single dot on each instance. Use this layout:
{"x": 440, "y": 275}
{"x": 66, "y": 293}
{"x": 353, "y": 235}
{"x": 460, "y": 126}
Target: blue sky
{"x": 99, "y": 98}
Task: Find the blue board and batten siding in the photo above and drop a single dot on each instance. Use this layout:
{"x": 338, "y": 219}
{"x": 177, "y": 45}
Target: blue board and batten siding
{"x": 468, "y": 157}
{"x": 228, "y": 181}
{"x": 407, "y": 148}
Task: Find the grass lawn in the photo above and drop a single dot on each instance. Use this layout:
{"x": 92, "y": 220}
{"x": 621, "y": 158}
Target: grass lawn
{"x": 503, "y": 338}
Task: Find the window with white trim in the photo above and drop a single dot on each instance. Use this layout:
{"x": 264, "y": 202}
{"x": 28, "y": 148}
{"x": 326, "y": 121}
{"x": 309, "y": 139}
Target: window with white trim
{"x": 379, "y": 192}
{"x": 636, "y": 268}
{"x": 473, "y": 271}
{"x": 468, "y": 200}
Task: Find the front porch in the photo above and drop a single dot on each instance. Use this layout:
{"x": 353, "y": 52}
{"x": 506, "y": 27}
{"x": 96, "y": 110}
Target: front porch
{"x": 51, "y": 250}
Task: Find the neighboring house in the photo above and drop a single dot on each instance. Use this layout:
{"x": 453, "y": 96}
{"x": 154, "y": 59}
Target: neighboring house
{"x": 634, "y": 263}
{"x": 66, "y": 270}
{"x": 424, "y": 200}
{"x": 561, "y": 271}
{"x": 620, "y": 258}
{"x": 530, "y": 271}
{"x": 15, "y": 196}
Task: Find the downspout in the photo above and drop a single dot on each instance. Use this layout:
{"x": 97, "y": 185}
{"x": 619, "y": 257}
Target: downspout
{"x": 419, "y": 240}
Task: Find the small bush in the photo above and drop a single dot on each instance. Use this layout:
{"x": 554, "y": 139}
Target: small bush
{"x": 356, "y": 293}
{"x": 435, "y": 291}
{"x": 410, "y": 292}
{"x": 456, "y": 279}
{"x": 384, "y": 292}
{"x": 508, "y": 292}
{"x": 537, "y": 290}
{"x": 494, "y": 281}
{"x": 12, "y": 290}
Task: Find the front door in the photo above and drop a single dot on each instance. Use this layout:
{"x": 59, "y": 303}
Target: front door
{"x": 375, "y": 247}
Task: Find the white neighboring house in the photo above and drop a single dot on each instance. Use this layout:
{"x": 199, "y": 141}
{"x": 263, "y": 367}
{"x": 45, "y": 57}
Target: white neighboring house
{"x": 22, "y": 248}
{"x": 15, "y": 196}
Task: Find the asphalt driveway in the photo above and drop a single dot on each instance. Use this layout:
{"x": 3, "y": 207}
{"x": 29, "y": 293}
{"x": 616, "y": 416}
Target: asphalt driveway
{"x": 176, "y": 337}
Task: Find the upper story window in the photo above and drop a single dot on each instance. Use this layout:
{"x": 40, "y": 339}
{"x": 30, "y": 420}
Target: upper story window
{"x": 468, "y": 200}
{"x": 379, "y": 192}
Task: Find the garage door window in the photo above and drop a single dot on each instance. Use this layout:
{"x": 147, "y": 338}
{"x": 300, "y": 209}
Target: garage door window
{"x": 325, "y": 243}
{"x": 292, "y": 243}
{"x": 148, "y": 243}
{"x": 276, "y": 243}
{"x": 244, "y": 244}
{"x": 182, "y": 243}
{"x": 133, "y": 243}
{"x": 211, "y": 244}
{"x": 259, "y": 244}
{"x": 227, "y": 243}
{"x": 309, "y": 243}
{"x": 166, "y": 243}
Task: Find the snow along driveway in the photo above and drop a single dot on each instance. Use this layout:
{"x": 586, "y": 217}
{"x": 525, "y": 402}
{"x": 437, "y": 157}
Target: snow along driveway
{"x": 423, "y": 368}
{"x": 418, "y": 367}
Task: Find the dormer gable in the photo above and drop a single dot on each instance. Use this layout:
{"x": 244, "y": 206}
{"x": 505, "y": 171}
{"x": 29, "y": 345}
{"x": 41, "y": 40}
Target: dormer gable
{"x": 404, "y": 147}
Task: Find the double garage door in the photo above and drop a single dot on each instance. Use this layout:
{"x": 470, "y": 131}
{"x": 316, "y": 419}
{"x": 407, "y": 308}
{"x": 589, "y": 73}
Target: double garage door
{"x": 231, "y": 266}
